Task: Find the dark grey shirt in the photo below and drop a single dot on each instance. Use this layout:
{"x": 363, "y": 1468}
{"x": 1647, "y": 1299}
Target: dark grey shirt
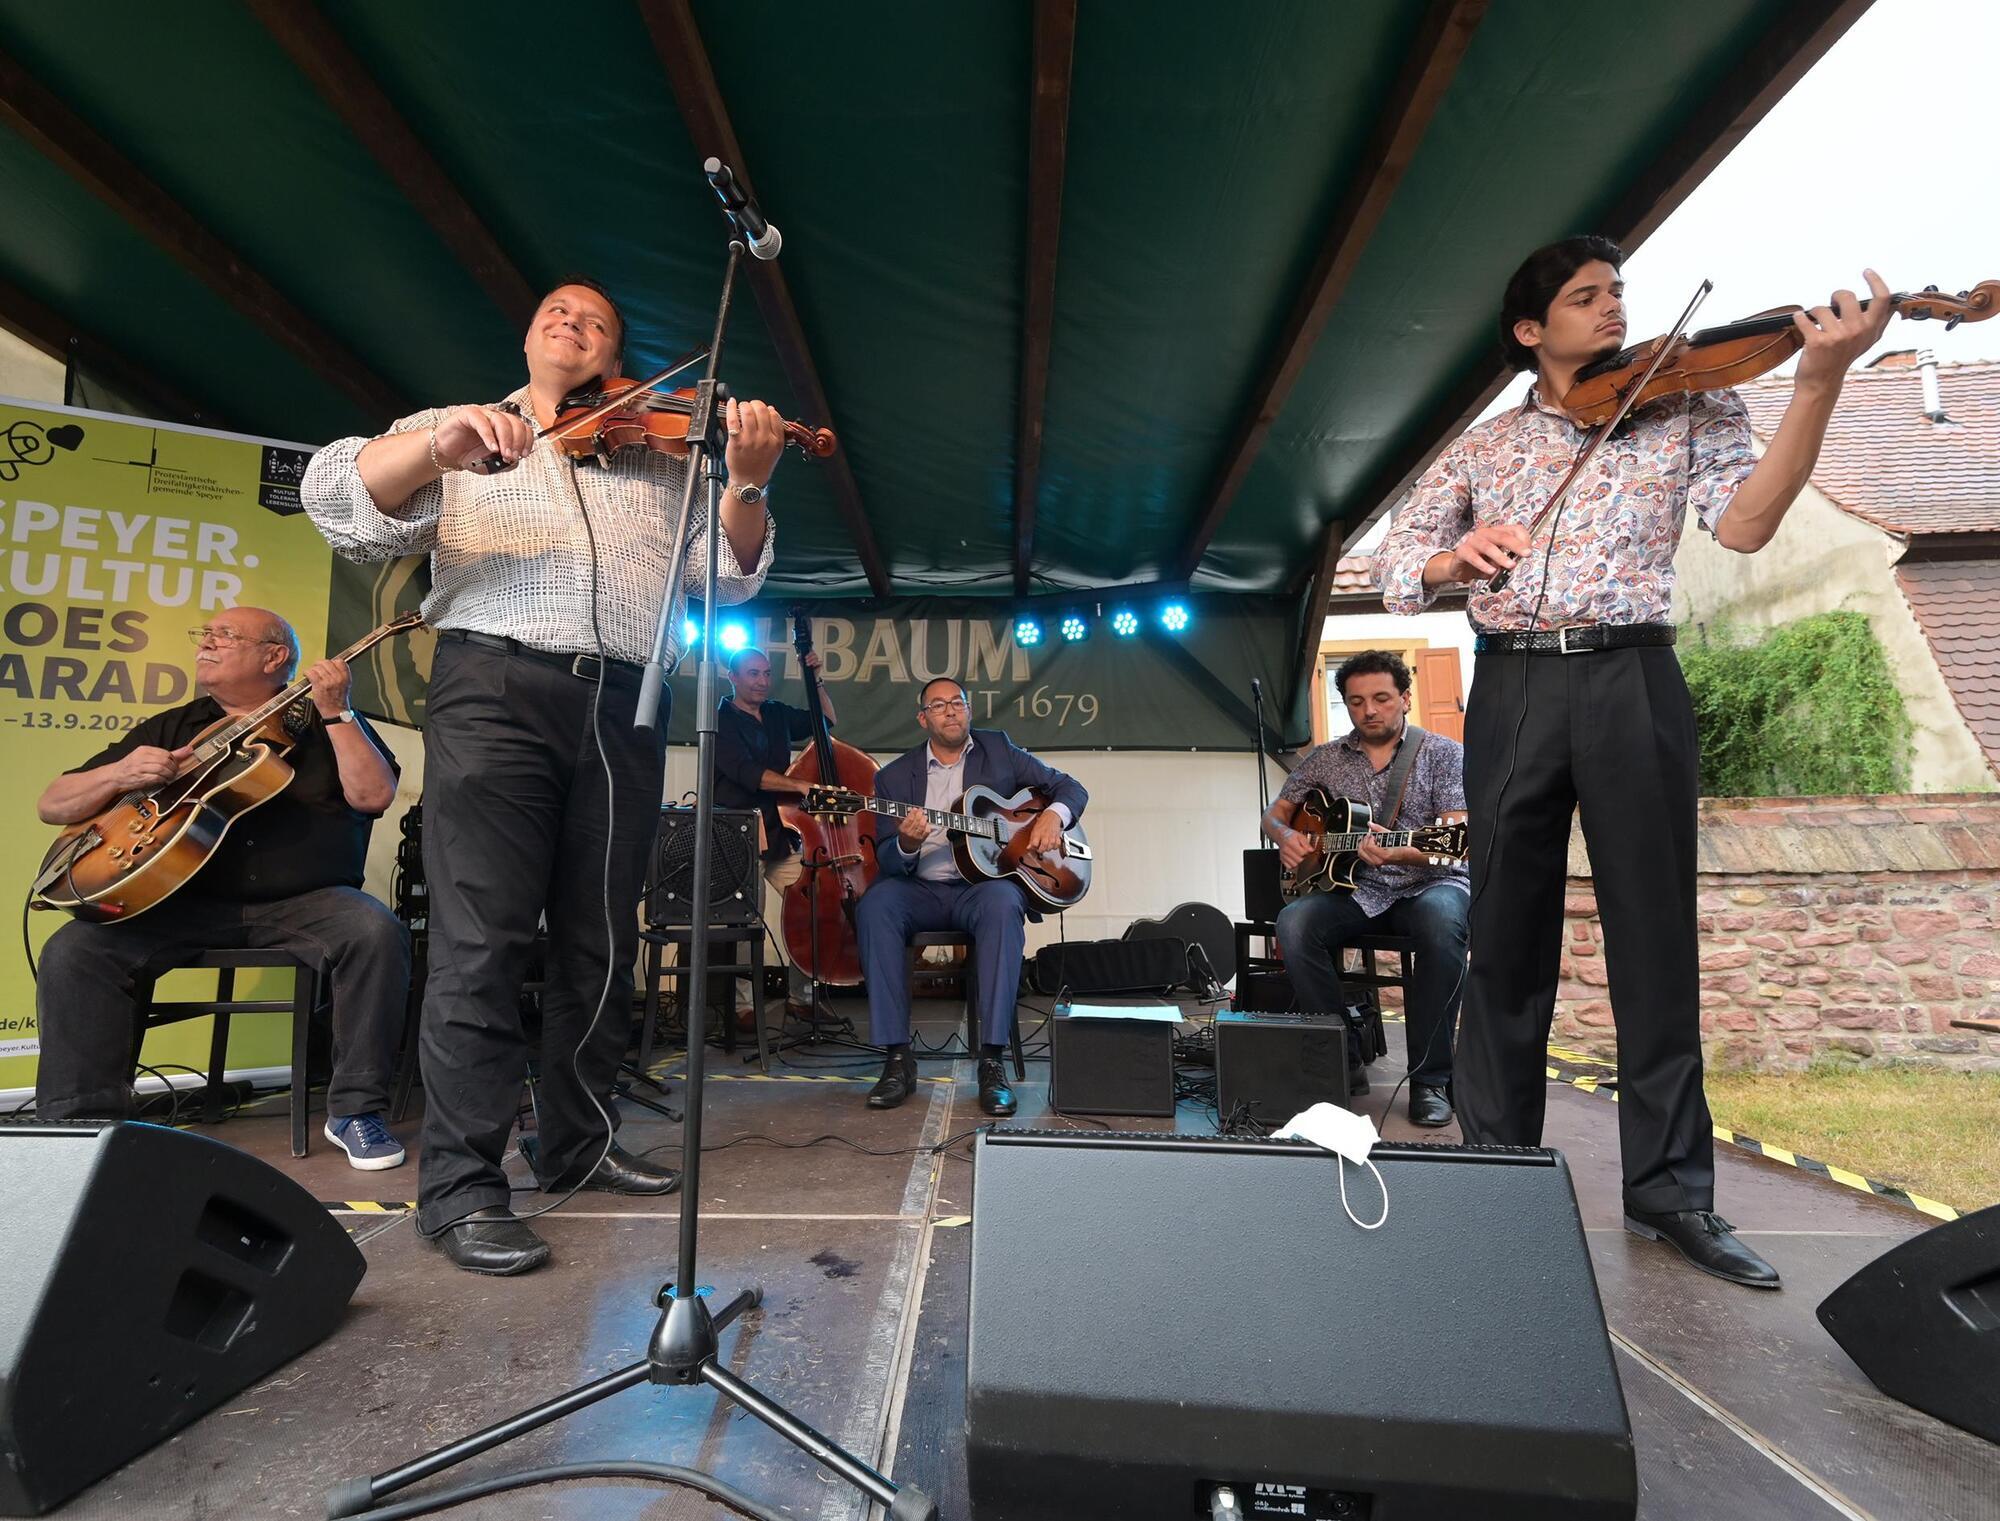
{"x": 1436, "y": 786}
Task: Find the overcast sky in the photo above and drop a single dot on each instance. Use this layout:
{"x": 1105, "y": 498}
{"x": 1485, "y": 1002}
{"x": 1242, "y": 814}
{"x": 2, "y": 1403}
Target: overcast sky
{"x": 1882, "y": 156}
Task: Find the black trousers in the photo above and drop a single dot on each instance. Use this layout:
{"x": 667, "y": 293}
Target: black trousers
{"x": 1313, "y": 930}
{"x": 89, "y": 1021}
{"x": 516, "y": 819}
{"x": 1610, "y": 734}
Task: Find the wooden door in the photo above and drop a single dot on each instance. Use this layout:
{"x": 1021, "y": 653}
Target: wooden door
{"x": 1440, "y": 693}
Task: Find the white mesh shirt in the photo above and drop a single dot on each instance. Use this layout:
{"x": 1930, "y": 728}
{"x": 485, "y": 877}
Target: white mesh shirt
{"x": 509, "y": 552}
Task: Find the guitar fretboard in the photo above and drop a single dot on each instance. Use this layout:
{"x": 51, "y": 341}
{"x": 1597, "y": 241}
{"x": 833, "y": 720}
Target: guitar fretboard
{"x": 964, "y": 823}
{"x": 1388, "y": 840}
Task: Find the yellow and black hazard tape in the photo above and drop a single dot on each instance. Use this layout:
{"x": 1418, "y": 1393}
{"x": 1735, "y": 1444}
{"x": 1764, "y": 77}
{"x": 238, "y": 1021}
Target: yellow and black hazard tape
{"x": 1601, "y": 1077}
{"x": 368, "y": 1206}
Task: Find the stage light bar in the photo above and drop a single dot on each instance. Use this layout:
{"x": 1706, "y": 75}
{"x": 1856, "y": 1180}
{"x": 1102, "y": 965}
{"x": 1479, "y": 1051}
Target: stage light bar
{"x": 1072, "y": 627}
{"x": 1124, "y": 623}
{"x": 1027, "y": 632}
{"x": 690, "y": 633}
{"x": 1174, "y": 617}
{"x": 733, "y": 637}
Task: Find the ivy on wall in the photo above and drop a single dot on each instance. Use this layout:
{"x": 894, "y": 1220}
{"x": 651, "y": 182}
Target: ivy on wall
{"x": 1806, "y": 708}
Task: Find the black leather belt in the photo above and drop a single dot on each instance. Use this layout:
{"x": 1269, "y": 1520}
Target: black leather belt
{"x": 1575, "y": 641}
{"x": 577, "y": 665}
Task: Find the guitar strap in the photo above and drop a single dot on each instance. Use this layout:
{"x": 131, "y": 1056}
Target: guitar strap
{"x": 1398, "y": 780}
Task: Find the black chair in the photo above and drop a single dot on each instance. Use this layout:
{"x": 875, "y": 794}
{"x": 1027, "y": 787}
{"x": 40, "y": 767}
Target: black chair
{"x": 682, "y": 938}
{"x": 922, "y": 941}
{"x": 311, "y": 990}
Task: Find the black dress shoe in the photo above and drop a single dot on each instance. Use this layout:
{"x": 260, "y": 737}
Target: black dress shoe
{"x": 493, "y": 1242}
{"x": 1709, "y": 1242}
{"x": 622, "y": 1173}
{"x": 995, "y": 1097}
{"x": 1430, "y": 1106}
{"x": 898, "y": 1082}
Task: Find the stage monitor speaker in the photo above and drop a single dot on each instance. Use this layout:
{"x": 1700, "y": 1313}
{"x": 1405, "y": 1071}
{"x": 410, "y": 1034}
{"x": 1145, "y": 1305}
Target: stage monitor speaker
{"x": 1923, "y": 1322}
{"x": 1082, "y": 967}
{"x": 1100, "y": 1065}
{"x": 735, "y": 879}
{"x": 1263, "y": 889}
{"x": 1153, "y": 1315}
{"x": 1269, "y": 1067}
{"x": 151, "y": 1274}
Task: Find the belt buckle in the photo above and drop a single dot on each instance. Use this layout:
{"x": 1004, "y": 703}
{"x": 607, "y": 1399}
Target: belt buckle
{"x": 576, "y": 667}
{"x": 1562, "y": 642}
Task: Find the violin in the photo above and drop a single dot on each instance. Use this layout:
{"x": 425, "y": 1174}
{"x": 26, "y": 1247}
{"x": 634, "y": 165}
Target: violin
{"x": 1717, "y": 357}
{"x": 610, "y": 416}
{"x": 620, "y": 414}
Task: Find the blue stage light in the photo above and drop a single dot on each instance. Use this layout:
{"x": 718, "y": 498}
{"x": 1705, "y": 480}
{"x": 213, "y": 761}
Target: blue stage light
{"x": 1073, "y": 627}
{"x": 1174, "y": 617}
{"x": 690, "y": 632}
{"x": 1027, "y": 632}
{"x": 1124, "y": 623}
{"x": 733, "y": 637}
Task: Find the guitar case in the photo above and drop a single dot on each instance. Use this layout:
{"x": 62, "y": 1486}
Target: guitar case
{"x": 1199, "y": 926}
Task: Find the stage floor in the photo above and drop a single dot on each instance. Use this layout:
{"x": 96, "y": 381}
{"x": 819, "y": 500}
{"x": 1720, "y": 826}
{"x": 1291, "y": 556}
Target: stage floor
{"x": 1741, "y": 1406}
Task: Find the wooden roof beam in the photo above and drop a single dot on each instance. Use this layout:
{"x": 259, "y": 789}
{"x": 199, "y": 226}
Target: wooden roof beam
{"x": 33, "y": 111}
{"x": 323, "y": 56}
{"x": 43, "y": 327}
{"x": 1735, "y": 106}
{"x": 1428, "y": 69}
{"x": 685, "y": 59}
{"x": 1048, "y": 146}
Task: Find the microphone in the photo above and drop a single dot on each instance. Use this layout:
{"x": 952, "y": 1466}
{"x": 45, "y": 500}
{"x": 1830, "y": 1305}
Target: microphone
{"x": 1256, "y": 689}
{"x": 763, "y": 238}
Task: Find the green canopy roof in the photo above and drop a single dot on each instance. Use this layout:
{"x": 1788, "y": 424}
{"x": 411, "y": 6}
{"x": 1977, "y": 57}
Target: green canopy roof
{"x": 1199, "y": 286}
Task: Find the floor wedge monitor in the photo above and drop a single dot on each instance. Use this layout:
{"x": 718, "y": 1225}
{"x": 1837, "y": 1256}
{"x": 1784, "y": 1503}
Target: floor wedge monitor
{"x": 1155, "y": 1316}
{"x": 151, "y": 1274}
{"x": 1923, "y": 1321}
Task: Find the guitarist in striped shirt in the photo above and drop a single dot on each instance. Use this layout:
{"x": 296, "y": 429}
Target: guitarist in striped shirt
{"x": 1397, "y": 890}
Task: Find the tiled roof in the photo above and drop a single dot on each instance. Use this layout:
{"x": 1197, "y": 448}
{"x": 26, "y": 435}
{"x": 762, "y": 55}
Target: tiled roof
{"x": 1957, "y": 603}
{"x": 1889, "y": 464}
{"x": 1354, "y": 576}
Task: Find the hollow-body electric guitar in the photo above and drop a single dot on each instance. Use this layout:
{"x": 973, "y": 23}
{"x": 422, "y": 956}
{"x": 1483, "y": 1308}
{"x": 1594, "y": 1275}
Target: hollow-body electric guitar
{"x": 147, "y": 845}
{"x": 989, "y": 839}
{"x": 1338, "y": 825}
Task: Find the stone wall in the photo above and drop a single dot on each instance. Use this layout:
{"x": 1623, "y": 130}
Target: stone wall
{"x": 1861, "y": 926}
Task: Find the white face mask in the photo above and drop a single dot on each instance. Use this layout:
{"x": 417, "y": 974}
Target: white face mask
{"x": 1347, "y": 1135}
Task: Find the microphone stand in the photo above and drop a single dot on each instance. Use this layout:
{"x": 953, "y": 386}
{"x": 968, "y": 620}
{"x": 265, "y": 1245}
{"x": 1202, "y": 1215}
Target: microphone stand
{"x": 683, "y": 1349}
{"x": 1263, "y": 776}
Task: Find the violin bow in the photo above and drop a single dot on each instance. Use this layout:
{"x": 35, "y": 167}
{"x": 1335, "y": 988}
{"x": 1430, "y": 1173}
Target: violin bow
{"x": 494, "y": 464}
{"x": 1589, "y": 450}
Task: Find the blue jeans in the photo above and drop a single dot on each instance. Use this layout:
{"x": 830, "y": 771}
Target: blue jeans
{"x": 1312, "y": 931}
{"x": 994, "y": 914}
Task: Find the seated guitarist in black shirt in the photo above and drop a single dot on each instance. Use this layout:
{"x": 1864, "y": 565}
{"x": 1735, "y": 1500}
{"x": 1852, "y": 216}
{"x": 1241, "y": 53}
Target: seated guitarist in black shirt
{"x": 286, "y": 876}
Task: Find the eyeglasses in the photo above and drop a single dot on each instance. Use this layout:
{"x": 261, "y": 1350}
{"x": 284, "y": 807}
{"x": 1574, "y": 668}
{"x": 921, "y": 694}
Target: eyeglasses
{"x": 223, "y": 637}
{"x": 945, "y": 705}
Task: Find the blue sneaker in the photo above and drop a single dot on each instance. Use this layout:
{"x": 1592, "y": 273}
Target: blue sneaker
{"x": 366, "y": 1140}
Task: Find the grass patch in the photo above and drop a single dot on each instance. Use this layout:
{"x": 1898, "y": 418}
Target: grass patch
{"x": 1924, "y": 1129}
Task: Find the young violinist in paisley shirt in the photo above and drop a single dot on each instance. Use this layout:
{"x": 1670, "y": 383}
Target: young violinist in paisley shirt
{"x": 1577, "y": 704}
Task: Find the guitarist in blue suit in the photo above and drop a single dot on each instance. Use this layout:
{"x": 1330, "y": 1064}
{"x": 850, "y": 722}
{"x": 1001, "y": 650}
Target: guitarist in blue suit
{"x": 918, "y": 886}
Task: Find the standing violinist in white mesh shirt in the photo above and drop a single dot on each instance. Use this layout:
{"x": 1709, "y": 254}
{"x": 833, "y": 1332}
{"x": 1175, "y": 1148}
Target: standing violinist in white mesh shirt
{"x": 536, "y": 568}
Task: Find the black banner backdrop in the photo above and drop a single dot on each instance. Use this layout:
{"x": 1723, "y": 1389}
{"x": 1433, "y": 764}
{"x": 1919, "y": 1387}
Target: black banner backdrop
{"x": 1153, "y": 690}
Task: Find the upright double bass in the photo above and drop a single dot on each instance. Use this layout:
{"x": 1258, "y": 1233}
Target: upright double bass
{"x": 838, "y": 855}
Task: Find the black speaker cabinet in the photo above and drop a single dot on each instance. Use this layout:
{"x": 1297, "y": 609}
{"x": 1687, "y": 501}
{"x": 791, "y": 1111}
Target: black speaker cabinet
{"x": 1923, "y": 1322}
{"x": 1269, "y": 1067}
{"x": 1263, "y": 885}
{"x": 1153, "y": 1315}
{"x": 1111, "y": 1066}
{"x": 735, "y": 878}
{"x": 150, "y": 1275}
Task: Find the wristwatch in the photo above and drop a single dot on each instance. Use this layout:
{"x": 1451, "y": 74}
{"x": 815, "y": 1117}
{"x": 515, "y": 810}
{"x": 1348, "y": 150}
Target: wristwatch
{"x": 344, "y": 716}
{"x": 750, "y": 496}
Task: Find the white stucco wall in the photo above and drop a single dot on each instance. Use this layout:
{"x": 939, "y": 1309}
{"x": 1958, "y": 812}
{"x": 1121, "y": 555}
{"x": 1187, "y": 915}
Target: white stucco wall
{"x": 1824, "y": 560}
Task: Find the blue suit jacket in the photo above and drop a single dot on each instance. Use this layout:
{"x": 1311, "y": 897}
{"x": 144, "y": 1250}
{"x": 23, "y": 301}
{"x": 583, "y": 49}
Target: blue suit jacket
{"x": 995, "y": 761}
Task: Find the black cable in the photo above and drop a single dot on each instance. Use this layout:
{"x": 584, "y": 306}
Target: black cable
{"x": 28, "y": 940}
{"x": 662, "y": 1473}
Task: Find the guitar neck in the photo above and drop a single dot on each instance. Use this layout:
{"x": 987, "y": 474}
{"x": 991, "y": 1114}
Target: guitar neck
{"x": 1340, "y": 844}
{"x": 964, "y": 823}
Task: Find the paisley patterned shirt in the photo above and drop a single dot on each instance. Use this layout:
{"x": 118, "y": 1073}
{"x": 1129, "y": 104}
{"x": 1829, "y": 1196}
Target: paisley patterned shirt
{"x": 1436, "y": 787}
{"x": 1613, "y": 556}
